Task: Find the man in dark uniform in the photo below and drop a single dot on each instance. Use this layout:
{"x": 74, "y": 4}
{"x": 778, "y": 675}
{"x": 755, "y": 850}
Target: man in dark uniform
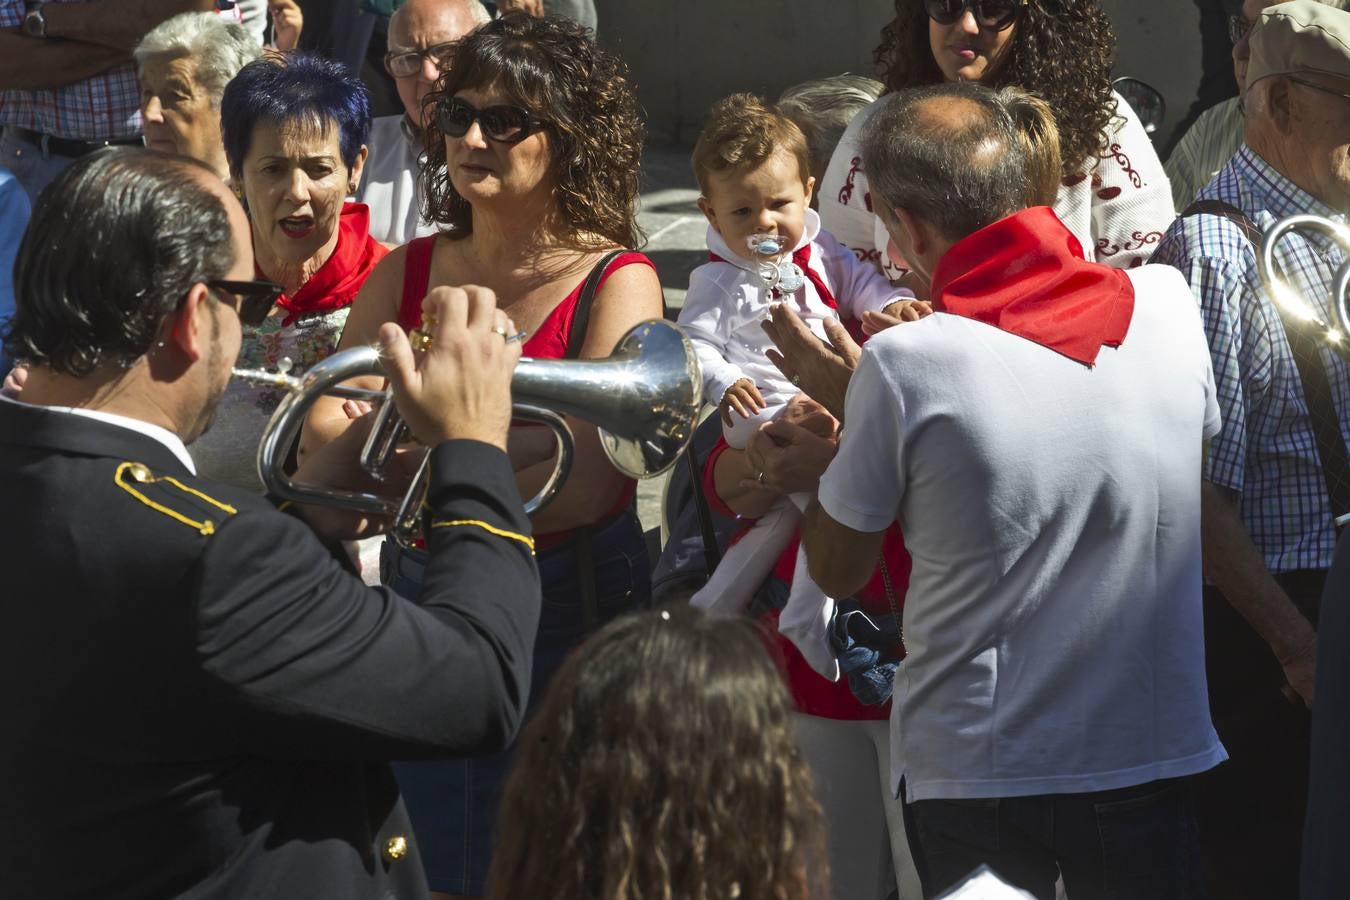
{"x": 198, "y": 698}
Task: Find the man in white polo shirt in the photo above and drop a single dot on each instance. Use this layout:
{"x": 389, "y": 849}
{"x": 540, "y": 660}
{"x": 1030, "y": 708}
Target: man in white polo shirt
{"x": 1039, "y": 438}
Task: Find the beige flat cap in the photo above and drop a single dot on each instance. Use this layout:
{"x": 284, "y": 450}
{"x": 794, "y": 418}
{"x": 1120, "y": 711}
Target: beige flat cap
{"x": 1300, "y": 36}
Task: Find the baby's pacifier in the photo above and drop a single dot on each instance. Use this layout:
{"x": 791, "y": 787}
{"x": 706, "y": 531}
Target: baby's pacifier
{"x": 784, "y": 277}
{"x": 764, "y": 245}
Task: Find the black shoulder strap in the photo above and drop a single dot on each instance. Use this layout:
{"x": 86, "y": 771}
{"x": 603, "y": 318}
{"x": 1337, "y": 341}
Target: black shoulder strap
{"x": 581, "y": 318}
{"x": 1326, "y": 424}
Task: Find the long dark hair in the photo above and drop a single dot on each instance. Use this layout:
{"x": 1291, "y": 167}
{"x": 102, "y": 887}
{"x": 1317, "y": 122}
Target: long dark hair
{"x": 662, "y": 765}
{"x": 552, "y": 67}
{"x": 1060, "y": 51}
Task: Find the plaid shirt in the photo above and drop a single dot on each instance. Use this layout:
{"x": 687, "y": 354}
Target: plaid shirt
{"x": 1266, "y": 452}
{"x": 104, "y": 107}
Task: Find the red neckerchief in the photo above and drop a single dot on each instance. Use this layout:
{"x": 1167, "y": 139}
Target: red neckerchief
{"x": 335, "y": 285}
{"x": 1026, "y": 275}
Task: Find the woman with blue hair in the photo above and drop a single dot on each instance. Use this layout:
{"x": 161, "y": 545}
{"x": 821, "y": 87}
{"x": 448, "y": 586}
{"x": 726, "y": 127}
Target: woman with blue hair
{"x": 294, "y": 129}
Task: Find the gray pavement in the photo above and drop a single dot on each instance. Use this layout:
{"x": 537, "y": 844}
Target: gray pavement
{"x": 675, "y": 242}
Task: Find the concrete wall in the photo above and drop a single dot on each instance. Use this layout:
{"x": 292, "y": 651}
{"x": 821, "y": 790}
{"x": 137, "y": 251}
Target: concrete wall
{"x": 685, "y": 54}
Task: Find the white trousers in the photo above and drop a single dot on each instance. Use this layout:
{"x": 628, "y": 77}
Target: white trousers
{"x": 851, "y": 764}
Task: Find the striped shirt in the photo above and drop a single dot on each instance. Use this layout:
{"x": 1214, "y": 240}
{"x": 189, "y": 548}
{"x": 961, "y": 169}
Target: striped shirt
{"x": 101, "y": 108}
{"x": 1204, "y": 149}
{"x": 1266, "y": 452}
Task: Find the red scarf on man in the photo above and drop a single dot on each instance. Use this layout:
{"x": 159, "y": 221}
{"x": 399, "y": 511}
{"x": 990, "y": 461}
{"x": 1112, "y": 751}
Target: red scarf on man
{"x": 335, "y": 285}
{"x": 1026, "y": 274}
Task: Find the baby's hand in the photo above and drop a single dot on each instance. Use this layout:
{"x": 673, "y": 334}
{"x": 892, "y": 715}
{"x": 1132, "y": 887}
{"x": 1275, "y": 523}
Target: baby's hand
{"x": 743, "y": 397}
{"x": 894, "y": 314}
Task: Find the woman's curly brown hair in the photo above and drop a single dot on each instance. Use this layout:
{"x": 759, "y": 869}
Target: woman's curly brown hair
{"x": 662, "y": 765}
{"x": 1061, "y": 51}
{"x": 553, "y": 68}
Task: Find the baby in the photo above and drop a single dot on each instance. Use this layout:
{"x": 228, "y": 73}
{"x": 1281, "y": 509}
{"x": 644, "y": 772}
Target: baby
{"x": 766, "y": 246}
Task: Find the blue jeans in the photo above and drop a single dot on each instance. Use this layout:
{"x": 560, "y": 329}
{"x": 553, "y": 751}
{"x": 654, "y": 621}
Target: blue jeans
{"x": 1135, "y": 843}
{"x": 34, "y": 167}
{"x": 453, "y": 803}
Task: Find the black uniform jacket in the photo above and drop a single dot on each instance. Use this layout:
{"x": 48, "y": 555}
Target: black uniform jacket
{"x": 196, "y": 700}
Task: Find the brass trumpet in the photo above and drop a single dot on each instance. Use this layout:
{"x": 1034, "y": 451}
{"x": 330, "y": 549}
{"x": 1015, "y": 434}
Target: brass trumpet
{"x": 1283, "y": 294}
{"x": 644, "y": 398}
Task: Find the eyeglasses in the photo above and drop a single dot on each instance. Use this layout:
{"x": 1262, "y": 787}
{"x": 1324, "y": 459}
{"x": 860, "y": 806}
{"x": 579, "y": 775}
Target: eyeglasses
{"x": 1238, "y": 26}
{"x": 407, "y": 62}
{"x": 253, "y": 299}
{"x": 995, "y": 15}
{"x": 507, "y": 124}
{"x": 1317, "y": 87}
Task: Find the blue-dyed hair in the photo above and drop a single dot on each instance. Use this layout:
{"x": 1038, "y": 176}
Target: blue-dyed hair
{"x": 297, "y": 88}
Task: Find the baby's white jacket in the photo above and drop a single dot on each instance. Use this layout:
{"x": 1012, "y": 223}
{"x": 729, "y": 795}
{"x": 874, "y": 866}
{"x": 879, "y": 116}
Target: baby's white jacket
{"x": 726, "y": 304}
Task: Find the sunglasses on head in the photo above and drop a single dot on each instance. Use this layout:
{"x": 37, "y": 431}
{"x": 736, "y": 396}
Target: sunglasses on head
{"x": 404, "y": 63}
{"x": 253, "y": 300}
{"x": 504, "y": 123}
{"x": 994, "y": 15}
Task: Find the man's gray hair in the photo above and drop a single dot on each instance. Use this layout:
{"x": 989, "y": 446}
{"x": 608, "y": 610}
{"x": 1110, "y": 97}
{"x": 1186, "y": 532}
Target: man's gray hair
{"x": 949, "y": 154}
{"x": 824, "y": 107}
{"x": 220, "y": 48}
{"x": 478, "y": 13}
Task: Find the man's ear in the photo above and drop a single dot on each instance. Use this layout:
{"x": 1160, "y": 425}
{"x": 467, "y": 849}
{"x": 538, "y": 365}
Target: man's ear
{"x": 1279, "y": 105}
{"x": 189, "y": 329}
{"x": 920, "y": 234}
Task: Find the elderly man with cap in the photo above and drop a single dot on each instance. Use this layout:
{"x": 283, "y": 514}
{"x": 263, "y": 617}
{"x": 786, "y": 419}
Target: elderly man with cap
{"x": 422, "y": 39}
{"x": 1277, "y": 476}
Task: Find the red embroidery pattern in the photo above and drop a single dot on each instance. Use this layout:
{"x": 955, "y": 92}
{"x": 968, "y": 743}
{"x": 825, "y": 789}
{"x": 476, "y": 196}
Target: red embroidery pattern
{"x": 1138, "y": 240}
{"x": 846, "y": 192}
{"x": 1114, "y": 152}
{"x": 866, "y": 255}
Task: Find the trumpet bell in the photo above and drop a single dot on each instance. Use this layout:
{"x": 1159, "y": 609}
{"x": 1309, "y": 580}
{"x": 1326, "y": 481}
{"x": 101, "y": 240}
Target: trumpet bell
{"x": 644, "y": 397}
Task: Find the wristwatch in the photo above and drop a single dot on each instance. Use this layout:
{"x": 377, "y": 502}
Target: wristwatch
{"x": 34, "y": 23}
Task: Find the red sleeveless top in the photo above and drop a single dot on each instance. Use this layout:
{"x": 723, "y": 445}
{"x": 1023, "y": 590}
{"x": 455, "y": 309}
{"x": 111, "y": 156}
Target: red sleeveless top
{"x": 549, "y": 340}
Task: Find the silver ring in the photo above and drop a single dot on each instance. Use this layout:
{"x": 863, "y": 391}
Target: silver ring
{"x": 796, "y": 381}
{"x": 500, "y": 330}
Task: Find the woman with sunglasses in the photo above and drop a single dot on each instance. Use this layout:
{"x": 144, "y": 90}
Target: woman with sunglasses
{"x": 1114, "y": 195}
{"x": 294, "y": 129}
{"x": 532, "y": 174}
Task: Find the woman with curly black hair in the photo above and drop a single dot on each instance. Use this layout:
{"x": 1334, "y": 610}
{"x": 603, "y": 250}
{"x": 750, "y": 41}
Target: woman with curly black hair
{"x": 1114, "y": 195}
{"x": 533, "y": 149}
{"x": 663, "y": 763}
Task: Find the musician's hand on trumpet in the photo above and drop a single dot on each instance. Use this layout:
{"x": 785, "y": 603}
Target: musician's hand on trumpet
{"x": 457, "y": 386}
{"x": 337, "y": 464}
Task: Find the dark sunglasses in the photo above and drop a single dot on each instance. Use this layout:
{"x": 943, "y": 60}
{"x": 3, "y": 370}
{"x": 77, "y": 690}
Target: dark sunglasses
{"x": 1238, "y": 26}
{"x": 407, "y": 62}
{"x": 507, "y": 124}
{"x": 994, "y": 15}
{"x": 253, "y": 299}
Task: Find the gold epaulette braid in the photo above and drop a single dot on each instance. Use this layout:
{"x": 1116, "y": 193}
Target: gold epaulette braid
{"x": 490, "y": 529}
{"x": 140, "y": 474}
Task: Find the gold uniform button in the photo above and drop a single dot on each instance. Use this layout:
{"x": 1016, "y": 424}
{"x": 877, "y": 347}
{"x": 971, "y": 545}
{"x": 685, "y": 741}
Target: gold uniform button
{"x": 396, "y": 848}
{"x": 140, "y": 473}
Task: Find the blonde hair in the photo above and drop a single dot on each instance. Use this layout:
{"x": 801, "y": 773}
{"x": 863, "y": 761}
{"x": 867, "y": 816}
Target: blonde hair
{"x": 745, "y": 130}
{"x": 1039, "y": 137}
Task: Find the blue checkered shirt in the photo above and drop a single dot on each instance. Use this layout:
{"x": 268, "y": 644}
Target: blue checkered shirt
{"x": 103, "y": 107}
{"x": 1266, "y": 452}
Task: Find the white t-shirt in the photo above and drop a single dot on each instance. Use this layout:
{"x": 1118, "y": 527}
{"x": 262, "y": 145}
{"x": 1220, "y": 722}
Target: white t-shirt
{"x": 389, "y": 183}
{"x": 1118, "y": 210}
{"x": 1053, "y": 618}
{"x": 727, "y": 302}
